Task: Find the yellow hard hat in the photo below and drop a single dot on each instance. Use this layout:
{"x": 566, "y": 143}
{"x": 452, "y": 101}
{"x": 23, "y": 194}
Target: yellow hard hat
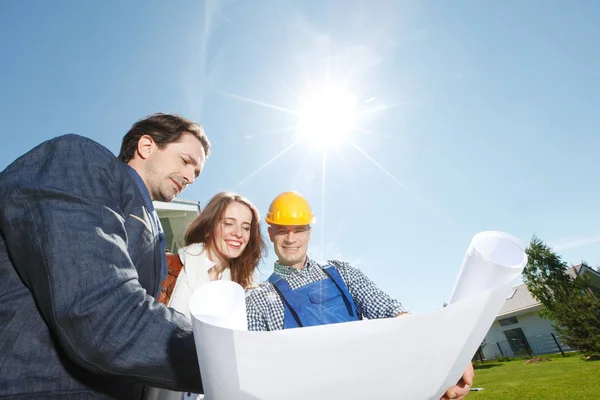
{"x": 290, "y": 208}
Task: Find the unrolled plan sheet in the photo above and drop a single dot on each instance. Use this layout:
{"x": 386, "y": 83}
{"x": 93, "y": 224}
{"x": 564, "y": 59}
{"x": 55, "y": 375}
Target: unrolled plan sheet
{"x": 413, "y": 357}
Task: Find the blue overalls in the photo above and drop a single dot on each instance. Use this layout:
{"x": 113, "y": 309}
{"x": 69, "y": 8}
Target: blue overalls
{"x": 327, "y": 301}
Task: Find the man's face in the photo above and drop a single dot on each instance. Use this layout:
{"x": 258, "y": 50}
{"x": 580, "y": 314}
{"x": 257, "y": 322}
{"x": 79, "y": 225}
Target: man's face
{"x": 290, "y": 243}
{"x": 168, "y": 171}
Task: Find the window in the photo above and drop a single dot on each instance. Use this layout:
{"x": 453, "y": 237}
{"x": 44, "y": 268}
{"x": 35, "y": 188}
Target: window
{"x": 508, "y": 321}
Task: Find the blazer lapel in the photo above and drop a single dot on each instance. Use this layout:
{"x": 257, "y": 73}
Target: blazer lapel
{"x": 149, "y": 220}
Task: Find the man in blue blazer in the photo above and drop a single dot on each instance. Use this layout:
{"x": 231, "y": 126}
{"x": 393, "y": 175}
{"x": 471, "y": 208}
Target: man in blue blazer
{"x": 81, "y": 260}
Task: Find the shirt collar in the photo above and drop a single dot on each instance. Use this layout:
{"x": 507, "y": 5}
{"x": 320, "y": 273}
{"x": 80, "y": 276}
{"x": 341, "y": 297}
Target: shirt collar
{"x": 196, "y": 264}
{"x": 283, "y": 270}
{"x": 139, "y": 182}
{"x": 196, "y": 251}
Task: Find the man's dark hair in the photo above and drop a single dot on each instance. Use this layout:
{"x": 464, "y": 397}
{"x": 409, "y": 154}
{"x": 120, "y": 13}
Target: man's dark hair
{"x": 164, "y": 129}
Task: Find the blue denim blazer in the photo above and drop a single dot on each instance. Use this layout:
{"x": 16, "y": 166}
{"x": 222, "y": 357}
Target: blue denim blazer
{"x": 79, "y": 266}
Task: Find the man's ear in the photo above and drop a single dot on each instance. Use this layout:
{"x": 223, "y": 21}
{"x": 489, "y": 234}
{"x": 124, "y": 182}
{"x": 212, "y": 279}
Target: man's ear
{"x": 145, "y": 147}
{"x": 309, "y": 231}
{"x": 270, "y": 234}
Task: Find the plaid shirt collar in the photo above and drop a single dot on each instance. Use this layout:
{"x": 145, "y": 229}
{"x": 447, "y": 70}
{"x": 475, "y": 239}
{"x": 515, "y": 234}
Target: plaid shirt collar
{"x": 286, "y": 272}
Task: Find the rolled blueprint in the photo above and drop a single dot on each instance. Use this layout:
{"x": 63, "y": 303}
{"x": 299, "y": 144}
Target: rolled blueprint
{"x": 492, "y": 257}
{"x": 220, "y": 303}
{"x": 415, "y": 357}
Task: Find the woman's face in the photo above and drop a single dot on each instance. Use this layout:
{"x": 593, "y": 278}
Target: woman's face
{"x": 232, "y": 233}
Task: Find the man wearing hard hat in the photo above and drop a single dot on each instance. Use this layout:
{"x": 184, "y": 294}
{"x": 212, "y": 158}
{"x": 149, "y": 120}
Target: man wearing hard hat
{"x": 302, "y": 292}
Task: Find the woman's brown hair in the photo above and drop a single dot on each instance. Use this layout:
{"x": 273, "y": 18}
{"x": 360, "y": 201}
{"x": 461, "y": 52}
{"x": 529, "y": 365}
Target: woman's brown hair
{"x": 203, "y": 228}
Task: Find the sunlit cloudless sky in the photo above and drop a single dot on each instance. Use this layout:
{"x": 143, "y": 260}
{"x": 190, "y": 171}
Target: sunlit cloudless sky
{"x": 473, "y": 115}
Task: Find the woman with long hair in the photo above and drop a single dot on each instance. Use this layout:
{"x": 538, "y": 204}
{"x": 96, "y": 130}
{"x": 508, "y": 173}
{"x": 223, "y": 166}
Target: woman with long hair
{"x": 223, "y": 242}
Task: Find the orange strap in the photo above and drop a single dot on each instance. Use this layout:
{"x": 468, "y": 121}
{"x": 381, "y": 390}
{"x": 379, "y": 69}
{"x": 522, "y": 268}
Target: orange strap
{"x": 174, "y": 266}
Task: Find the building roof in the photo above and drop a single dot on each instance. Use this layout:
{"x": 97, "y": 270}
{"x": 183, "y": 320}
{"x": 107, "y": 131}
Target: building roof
{"x": 177, "y": 204}
{"x": 575, "y": 270}
{"x": 581, "y": 269}
{"x": 519, "y": 300}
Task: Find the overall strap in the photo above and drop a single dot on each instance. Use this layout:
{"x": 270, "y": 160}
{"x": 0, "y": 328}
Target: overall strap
{"x": 335, "y": 276}
{"x": 279, "y": 284}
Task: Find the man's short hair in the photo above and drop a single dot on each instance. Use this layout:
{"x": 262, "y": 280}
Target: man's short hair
{"x": 164, "y": 129}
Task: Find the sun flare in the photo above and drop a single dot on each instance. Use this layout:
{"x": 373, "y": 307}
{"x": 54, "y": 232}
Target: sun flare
{"x": 327, "y": 116}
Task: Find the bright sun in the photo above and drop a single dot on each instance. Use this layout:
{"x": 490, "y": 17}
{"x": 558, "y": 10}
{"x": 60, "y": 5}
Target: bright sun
{"x": 327, "y": 116}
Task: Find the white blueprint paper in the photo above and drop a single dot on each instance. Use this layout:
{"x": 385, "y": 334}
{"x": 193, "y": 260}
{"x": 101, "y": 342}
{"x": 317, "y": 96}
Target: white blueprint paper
{"x": 414, "y": 357}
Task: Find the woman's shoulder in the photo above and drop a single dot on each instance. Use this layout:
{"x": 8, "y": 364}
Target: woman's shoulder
{"x": 192, "y": 250}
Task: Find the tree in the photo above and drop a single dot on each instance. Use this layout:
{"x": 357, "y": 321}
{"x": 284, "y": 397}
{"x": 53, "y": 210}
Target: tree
{"x": 479, "y": 356}
{"x": 568, "y": 301}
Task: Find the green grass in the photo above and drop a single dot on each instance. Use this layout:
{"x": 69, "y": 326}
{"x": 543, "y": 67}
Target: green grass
{"x": 569, "y": 377}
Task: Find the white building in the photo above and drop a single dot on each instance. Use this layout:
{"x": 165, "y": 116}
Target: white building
{"x": 520, "y": 331}
{"x": 175, "y": 217}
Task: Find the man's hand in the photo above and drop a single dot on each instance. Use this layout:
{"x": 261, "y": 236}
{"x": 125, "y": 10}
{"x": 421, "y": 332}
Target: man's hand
{"x": 402, "y": 314}
{"x": 463, "y": 386}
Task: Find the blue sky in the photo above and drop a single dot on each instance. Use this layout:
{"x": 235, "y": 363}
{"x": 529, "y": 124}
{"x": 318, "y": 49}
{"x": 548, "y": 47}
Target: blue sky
{"x": 486, "y": 111}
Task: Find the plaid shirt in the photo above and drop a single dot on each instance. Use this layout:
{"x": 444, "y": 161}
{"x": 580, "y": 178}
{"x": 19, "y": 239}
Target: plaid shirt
{"x": 265, "y": 309}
